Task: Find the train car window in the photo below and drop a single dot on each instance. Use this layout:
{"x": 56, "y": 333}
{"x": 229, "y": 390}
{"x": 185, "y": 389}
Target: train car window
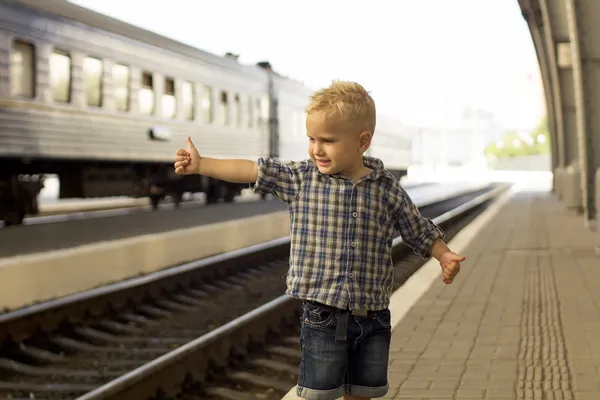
{"x": 250, "y": 112}
{"x": 92, "y": 76}
{"x": 238, "y": 110}
{"x": 121, "y": 77}
{"x": 264, "y": 107}
{"x": 187, "y": 100}
{"x": 147, "y": 94}
{"x": 224, "y": 108}
{"x": 22, "y": 69}
{"x": 60, "y": 76}
{"x": 206, "y": 104}
{"x": 169, "y": 102}
{"x": 258, "y": 119}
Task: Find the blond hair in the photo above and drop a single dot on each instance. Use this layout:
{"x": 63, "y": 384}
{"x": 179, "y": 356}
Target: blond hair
{"x": 346, "y": 103}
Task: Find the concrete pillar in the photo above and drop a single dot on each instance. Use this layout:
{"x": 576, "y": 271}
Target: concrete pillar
{"x": 558, "y": 177}
{"x": 571, "y": 186}
{"x": 584, "y": 38}
{"x": 550, "y": 32}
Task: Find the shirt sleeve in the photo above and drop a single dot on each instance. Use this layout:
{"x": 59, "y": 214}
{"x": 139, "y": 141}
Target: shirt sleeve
{"x": 282, "y": 179}
{"x": 416, "y": 231}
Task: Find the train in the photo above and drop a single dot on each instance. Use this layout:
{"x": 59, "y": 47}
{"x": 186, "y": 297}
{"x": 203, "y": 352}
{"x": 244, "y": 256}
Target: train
{"x": 104, "y": 105}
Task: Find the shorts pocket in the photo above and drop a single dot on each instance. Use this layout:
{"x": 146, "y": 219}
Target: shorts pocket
{"x": 384, "y": 319}
{"x": 318, "y": 317}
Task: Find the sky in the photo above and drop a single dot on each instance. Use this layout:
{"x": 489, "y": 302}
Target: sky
{"x": 418, "y": 58}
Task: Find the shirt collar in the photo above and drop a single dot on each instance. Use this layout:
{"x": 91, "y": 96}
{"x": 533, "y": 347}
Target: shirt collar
{"x": 370, "y": 162}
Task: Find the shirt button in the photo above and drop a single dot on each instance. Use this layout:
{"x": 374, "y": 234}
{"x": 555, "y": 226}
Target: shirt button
{"x": 351, "y": 275}
{"x": 353, "y": 244}
{"x": 355, "y": 214}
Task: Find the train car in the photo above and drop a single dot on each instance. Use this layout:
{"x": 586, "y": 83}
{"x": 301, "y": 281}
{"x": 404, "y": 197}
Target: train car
{"x": 392, "y": 143}
{"x": 289, "y": 98}
{"x": 104, "y": 105}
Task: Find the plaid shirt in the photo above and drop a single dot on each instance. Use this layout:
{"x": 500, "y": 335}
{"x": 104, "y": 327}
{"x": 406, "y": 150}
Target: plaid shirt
{"x": 342, "y": 232}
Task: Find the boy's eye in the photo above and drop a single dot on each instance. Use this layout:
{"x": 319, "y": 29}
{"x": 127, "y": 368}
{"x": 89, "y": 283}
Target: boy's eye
{"x": 322, "y": 140}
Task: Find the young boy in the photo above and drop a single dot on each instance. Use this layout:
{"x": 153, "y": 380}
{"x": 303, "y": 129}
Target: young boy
{"x": 345, "y": 211}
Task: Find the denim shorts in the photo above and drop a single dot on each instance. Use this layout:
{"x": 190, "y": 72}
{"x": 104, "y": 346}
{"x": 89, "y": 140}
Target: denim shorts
{"x": 358, "y": 366}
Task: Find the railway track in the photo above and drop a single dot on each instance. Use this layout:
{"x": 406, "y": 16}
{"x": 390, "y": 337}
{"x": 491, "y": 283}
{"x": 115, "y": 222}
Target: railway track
{"x": 217, "y": 328}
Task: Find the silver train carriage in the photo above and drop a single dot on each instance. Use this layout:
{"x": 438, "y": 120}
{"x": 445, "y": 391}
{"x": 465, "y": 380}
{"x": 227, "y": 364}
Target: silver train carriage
{"x": 105, "y": 105}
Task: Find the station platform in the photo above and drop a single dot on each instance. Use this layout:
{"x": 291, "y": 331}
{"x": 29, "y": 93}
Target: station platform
{"x": 520, "y": 321}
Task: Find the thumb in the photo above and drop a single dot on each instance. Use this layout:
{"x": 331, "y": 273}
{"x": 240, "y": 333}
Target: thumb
{"x": 190, "y": 143}
{"x": 456, "y": 257}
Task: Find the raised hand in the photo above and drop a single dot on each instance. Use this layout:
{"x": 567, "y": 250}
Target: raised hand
{"x": 187, "y": 161}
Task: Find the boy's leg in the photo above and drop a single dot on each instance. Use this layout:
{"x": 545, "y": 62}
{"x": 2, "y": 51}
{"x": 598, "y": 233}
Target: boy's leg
{"x": 368, "y": 361}
{"x": 324, "y": 360}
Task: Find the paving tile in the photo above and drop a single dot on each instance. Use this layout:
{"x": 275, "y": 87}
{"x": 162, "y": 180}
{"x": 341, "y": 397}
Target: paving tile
{"x": 520, "y": 322}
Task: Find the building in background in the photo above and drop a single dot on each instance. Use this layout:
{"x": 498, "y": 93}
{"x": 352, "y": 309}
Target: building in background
{"x": 460, "y": 133}
{"x": 457, "y": 140}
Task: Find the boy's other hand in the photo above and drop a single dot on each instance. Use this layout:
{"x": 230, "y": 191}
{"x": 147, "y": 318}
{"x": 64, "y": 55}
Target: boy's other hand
{"x": 187, "y": 161}
{"x": 450, "y": 263}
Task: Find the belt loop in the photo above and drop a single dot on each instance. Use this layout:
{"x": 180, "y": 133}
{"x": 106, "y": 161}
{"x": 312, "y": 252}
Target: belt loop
{"x": 341, "y": 328}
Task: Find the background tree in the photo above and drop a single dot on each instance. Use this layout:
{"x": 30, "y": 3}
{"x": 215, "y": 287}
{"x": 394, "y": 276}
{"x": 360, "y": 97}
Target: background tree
{"x": 515, "y": 144}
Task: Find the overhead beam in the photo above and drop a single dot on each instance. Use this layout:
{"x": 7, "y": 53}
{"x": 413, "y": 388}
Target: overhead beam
{"x": 554, "y": 85}
{"x": 545, "y": 55}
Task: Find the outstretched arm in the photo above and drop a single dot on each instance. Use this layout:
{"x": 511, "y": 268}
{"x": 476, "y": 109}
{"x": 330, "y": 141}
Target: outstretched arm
{"x": 238, "y": 171}
{"x": 283, "y": 179}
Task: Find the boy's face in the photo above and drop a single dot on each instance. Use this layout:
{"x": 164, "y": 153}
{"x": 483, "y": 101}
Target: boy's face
{"x": 335, "y": 150}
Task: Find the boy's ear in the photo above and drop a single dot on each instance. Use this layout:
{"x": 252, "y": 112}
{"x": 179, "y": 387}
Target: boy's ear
{"x": 365, "y": 140}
